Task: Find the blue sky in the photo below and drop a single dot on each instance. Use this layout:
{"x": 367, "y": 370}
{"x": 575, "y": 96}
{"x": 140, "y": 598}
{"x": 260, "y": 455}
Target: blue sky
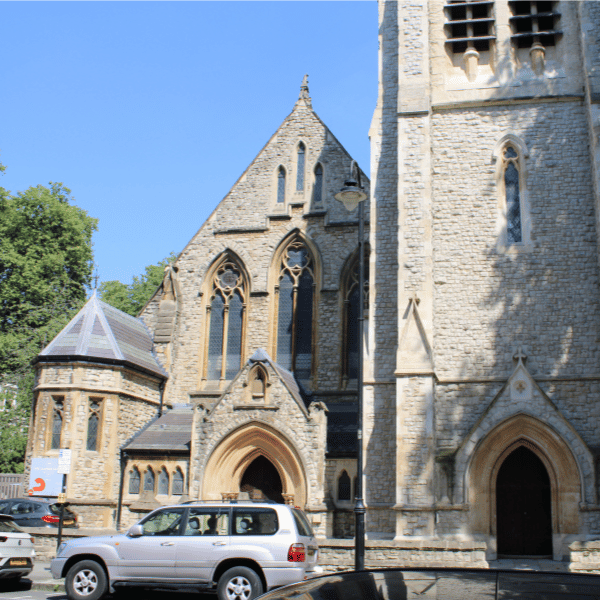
{"x": 150, "y": 111}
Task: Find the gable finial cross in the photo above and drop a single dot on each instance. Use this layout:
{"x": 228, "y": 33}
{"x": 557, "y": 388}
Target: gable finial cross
{"x": 519, "y": 355}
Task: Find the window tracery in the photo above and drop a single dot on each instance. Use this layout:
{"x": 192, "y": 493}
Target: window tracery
{"x": 296, "y": 304}
{"x": 226, "y": 317}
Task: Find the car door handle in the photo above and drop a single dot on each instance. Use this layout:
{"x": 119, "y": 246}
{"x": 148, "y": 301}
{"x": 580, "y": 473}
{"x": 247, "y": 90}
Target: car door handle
{"x": 219, "y": 543}
{"x": 168, "y": 544}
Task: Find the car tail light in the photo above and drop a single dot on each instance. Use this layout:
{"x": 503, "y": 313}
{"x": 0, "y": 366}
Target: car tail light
{"x": 296, "y": 553}
{"x": 50, "y": 519}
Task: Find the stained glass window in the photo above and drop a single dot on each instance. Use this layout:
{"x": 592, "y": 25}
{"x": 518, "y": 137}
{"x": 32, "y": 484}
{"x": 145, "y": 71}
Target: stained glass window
{"x": 318, "y": 189}
{"x": 295, "y": 310}
{"x": 177, "y": 483}
{"x": 513, "y": 201}
{"x": 227, "y": 315}
{"x": 163, "y": 482}
{"x": 134, "y": 481}
{"x": 300, "y": 166}
{"x": 281, "y": 186}
{"x": 57, "y": 421}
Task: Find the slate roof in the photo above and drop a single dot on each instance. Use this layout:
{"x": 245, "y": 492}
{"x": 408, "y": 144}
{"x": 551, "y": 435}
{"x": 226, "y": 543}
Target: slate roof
{"x": 171, "y": 432}
{"x": 103, "y": 333}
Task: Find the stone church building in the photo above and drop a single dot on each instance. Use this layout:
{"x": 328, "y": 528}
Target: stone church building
{"x": 481, "y": 370}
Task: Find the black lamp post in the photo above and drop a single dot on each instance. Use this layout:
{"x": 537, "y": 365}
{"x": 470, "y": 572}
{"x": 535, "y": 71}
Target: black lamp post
{"x": 353, "y": 195}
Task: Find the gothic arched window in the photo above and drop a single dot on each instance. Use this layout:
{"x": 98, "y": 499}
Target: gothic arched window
{"x": 280, "y": 185}
{"x": 163, "y": 482}
{"x": 149, "y": 480}
{"x": 350, "y": 319}
{"x": 295, "y": 309}
{"x": 300, "y": 167}
{"x": 258, "y": 383}
{"x": 177, "y": 482}
{"x": 57, "y": 422}
{"x": 513, "y": 196}
{"x": 93, "y": 424}
{"x": 226, "y": 318}
{"x": 134, "y": 481}
{"x": 344, "y": 490}
{"x": 318, "y": 187}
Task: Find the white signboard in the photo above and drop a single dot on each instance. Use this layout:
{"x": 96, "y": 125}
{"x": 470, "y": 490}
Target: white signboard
{"x": 44, "y": 480}
{"x": 64, "y": 461}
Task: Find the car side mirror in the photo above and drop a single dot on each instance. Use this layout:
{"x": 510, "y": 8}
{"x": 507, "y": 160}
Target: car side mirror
{"x": 135, "y": 531}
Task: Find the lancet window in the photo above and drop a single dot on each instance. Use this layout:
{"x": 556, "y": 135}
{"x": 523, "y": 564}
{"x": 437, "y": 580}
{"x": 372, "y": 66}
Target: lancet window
{"x": 351, "y": 315}
{"x": 227, "y": 321}
{"x": 513, "y": 196}
{"x": 95, "y": 406}
{"x": 300, "y": 167}
{"x": 57, "y": 422}
{"x": 296, "y": 304}
{"x": 318, "y": 187}
{"x": 281, "y": 185}
{"x": 134, "y": 481}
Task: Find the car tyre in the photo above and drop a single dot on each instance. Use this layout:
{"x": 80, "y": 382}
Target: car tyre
{"x": 239, "y": 583}
{"x": 86, "y": 580}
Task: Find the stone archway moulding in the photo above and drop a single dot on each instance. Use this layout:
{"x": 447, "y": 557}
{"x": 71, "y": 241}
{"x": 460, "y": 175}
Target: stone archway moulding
{"x": 556, "y": 455}
{"x": 236, "y": 451}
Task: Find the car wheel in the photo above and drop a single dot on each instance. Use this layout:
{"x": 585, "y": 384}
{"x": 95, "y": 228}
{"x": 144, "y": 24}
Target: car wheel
{"x": 86, "y": 580}
{"x": 239, "y": 583}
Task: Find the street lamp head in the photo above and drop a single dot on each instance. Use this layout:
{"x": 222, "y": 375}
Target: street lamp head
{"x": 351, "y": 194}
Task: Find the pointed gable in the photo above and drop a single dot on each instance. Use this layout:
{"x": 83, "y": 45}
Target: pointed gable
{"x": 103, "y": 333}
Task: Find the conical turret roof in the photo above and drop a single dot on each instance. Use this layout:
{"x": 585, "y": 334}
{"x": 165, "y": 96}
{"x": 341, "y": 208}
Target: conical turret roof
{"x": 101, "y": 333}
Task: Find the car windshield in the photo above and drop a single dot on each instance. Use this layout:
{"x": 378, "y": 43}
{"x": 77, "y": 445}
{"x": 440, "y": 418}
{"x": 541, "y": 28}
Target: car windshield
{"x": 7, "y": 526}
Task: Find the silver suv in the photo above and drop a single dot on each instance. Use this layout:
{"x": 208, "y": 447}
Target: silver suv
{"x": 242, "y": 549}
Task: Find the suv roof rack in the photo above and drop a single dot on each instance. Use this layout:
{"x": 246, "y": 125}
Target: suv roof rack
{"x": 230, "y": 502}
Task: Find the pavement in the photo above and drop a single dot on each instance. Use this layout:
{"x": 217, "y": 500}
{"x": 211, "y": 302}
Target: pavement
{"x": 41, "y": 578}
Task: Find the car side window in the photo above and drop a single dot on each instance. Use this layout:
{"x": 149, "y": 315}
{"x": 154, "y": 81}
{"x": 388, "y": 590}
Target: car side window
{"x": 255, "y": 521}
{"x": 203, "y": 521}
{"x": 4, "y": 507}
{"x": 164, "y": 522}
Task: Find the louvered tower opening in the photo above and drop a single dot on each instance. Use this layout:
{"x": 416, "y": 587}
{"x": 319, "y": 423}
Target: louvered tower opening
{"x": 469, "y": 25}
{"x": 534, "y": 21}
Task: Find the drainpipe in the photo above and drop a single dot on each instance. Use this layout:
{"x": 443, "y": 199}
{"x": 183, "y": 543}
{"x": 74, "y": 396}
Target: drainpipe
{"x": 124, "y": 458}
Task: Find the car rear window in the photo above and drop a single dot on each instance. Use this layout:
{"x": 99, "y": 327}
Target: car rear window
{"x": 255, "y": 521}
{"x": 302, "y": 524}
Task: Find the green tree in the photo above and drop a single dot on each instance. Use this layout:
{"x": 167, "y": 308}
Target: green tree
{"x": 45, "y": 268}
{"x": 131, "y": 298}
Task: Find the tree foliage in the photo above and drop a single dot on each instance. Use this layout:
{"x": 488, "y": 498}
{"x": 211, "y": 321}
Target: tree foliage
{"x": 131, "y": 298}
{"x": 45, "y": 268}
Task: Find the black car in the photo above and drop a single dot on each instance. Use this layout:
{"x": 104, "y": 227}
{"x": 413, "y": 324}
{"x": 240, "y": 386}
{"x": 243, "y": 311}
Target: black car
{"x": 35, "y": 512}
{"x": 442, "y": 584}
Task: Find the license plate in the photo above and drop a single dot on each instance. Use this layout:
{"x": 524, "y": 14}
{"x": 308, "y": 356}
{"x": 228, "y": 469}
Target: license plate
{"x": 18, "y": 562}
{"x": 68, "y": 522}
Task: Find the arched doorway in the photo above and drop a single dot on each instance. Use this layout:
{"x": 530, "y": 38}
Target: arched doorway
{"x": 262, "y": 476}
{"x": 523, "y": 505}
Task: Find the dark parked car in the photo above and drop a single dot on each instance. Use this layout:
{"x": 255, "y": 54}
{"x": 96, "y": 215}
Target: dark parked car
{"x": 446, "y": 584}
{"x": 35, "y": 512}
